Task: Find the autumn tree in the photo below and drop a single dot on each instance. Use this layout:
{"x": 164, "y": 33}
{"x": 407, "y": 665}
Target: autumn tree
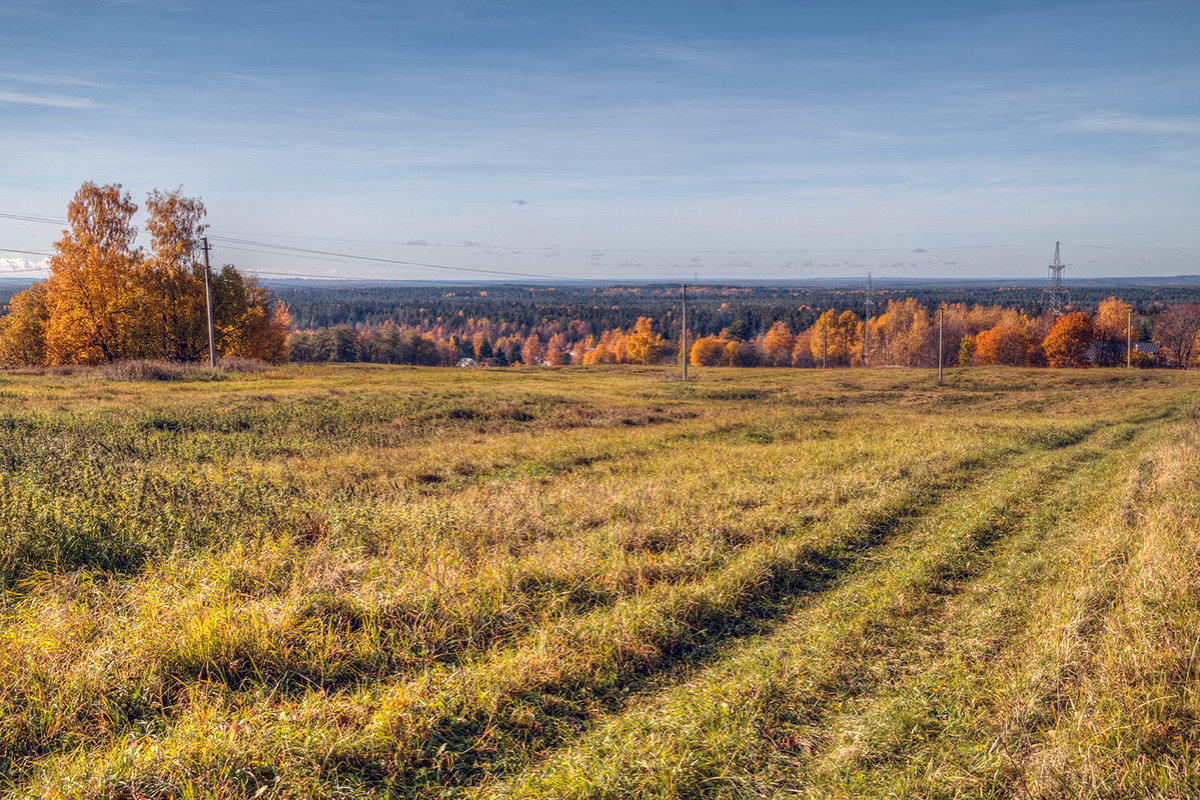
{"x": 1067, "y": 343}
{"x": 106, "y": 300}
{"x": 556, "y": 350}
{"x": 802, "y": 350}
{"x": 532, "y": 351}
{"x": 644, "y": 345}
{"x": 903, "y": 334}
{"x": 849, "y": 331}
{"x": 1111, "y": 325}
{"x": 93, "y": 298}
{"x": 584, "y": 350}
{"x": 778, "y": 343}
{"x": 823, "y": 339}
{"x": 739, "y": 354}
{"x": 600, "y": 354}
{"x": 1175, "y": 331}
{"x": 23, "y": 329}
{"x": 247, "y": 322}
{"x": 707, "y": 351}
{"x": 1112, "y": 319}
{"x": 172, "y": 276}
{"x": 616, "y": 341}
{"x": 836, "y": 339}
{"x": 966, "y": 351}
{"x": 1004, "y": 344}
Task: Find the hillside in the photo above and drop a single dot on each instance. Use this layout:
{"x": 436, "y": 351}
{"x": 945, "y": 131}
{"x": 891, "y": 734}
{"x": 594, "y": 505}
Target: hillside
{"x": 349, "y": 581}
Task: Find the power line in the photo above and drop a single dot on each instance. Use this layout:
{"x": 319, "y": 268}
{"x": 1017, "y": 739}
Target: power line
{"x": 26, "y": 252}
{"x": 553, "y": 248}
{"x": 1142, "y": 252}
{"x": 652, "y": 251}
{"x": 392, "y": 261}
{"x": 31, "y": 218}
{"x": 25, "y": 217}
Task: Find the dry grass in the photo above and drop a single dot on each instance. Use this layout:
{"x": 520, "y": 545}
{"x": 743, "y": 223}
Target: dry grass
{"x": 372, "y": 581}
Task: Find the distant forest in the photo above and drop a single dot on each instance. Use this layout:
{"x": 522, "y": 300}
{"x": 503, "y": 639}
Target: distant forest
{"x": 711, "y": 308}
{"x": 794, "y": 325}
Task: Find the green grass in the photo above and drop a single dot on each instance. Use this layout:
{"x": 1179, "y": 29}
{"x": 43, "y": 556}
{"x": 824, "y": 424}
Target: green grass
{"x": 386, "y": 582}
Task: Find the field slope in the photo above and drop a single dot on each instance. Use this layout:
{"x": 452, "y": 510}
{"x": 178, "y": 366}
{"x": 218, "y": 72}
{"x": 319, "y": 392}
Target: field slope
{"x": 383, "y": 582}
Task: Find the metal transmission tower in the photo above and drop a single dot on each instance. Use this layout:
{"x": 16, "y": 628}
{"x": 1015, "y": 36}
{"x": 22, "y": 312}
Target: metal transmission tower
{"x": 1059, "y": 297}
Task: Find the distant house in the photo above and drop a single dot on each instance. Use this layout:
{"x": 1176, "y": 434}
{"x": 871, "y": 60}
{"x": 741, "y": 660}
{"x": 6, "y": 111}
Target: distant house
{"x": 468, "y": 362}
{"x": 1116, "y": 357}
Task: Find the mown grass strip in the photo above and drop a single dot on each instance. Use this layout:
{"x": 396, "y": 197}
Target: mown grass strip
{"x": 1071, "y": 706}
{"x": 733, "y": 729}
{"x": 455, "y": 727}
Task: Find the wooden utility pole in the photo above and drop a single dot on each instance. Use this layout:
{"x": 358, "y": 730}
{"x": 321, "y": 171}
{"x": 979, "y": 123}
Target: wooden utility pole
{"x": 683, "y": 333}
{"x": 212, "y": 346}
{"x": 1129, "y": 338}
{"x": 941, "y": 313}
{"x": 867, "y": 325}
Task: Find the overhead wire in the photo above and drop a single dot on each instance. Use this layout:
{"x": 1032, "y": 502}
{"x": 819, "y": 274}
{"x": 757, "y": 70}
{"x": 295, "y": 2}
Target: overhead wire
{"x": 31, "y": 218}
{"x": 26, "y": 252}
{"x": 233, "y": 240}
{"x": 1128, "y": 250}
{"x": 268, "y": 247}
{"x": 652, "y": 251}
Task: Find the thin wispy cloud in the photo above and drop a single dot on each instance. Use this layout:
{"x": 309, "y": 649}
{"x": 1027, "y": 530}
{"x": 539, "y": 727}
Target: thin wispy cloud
{"x": 1116, "y": 122}
{"x": 52, "y": 100}
{"x": 48, "y": 80}
{"x": 625, "y": 125}
{"x": 252, "y": 80}
{"x": 692, "y": 54}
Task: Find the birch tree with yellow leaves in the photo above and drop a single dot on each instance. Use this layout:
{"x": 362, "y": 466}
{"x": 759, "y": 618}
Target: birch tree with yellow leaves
{"x": 93, "y": 298}
{"x": 107, "y": 300}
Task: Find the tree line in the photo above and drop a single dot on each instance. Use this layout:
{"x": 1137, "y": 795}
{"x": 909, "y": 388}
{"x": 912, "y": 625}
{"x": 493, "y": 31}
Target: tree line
{"x": 107, "y": 299}
{"x": 711, "y": 307}
{"x": 904, "y": 333}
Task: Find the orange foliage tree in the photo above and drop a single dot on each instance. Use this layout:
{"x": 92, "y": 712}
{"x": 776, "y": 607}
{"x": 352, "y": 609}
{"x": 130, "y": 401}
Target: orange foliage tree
{"x": 172, "y": 277}
{"x": 836, "y": 339}
{"x": 1004, "y": 344}
{"x": 1067, "y": 343}
{"x": 106, "y": 299}
{"x": 778, "y": 344}
{"x": 23, "y": 329}
{"x": 903, "y": 335}
{"x": 644, "y": 345}
{"x": 532, "y": 351}
{"x": 1176, "y": 331}
{"x": 93, "y": 299}
{"x": 1111, "y": 325}
{"x": 707, "y": 351}
{"x": 556, "y": 350}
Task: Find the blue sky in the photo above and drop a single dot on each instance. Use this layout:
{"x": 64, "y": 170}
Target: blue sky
{"x": 640, "y": 140}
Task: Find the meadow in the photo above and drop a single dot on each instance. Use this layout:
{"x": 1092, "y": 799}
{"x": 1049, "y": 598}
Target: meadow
{"x": 373, "y": 581}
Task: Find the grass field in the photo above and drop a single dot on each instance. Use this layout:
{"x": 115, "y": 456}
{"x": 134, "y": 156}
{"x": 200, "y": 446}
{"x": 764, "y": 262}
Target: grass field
{"x": 385, "y": 582}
